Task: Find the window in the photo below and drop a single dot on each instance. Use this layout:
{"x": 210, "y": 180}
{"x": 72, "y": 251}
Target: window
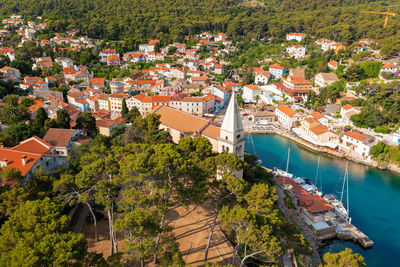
{"x": 238, "y": 136}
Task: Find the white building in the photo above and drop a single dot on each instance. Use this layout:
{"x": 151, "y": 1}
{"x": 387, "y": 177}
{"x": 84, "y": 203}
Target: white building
{"x": 358, "y": 143}
{"x": 296, "y": 51}
{"x": 346, "y": 112}
{"x": 261, "y": 77}
{"x": 250, "y": 92}
{"x": 325, "y": 79}
{"x": 286, "y": 116}
{"x": 295, "y": 36}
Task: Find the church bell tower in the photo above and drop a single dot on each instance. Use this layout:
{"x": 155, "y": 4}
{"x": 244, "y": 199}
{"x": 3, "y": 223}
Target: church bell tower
{"x": 231, "y": 137}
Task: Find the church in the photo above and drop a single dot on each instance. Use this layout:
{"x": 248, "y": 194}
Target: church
{"x": 229, "y": 137}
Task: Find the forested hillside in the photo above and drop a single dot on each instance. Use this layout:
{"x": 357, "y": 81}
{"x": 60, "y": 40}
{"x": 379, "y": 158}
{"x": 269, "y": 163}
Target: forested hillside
{"x": 136, "y": 21}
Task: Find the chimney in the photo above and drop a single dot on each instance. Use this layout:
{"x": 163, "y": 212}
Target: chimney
{"x": 23, "y": 159}
{"x": 1, "y": 145}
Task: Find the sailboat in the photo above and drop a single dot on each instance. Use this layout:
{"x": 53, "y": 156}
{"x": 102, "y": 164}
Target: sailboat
{"x": 341, "y": 211}
{"x": 250, "y": 140}
{"x": 282, "y": 173}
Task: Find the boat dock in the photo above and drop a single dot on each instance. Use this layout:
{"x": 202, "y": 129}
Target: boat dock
{"x": 347, "y": 231}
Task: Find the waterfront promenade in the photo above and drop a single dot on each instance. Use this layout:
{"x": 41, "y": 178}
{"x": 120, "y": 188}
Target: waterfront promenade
{"x": 275, "y": 128}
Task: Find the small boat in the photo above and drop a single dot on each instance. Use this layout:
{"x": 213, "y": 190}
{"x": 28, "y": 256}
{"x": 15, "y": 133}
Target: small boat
{"x": 282, "y": 173}
{"x": 337, "y": 204}
{"x": 341, "y": 211}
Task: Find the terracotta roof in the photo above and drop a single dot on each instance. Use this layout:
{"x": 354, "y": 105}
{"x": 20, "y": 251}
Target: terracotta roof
{"x": 388, "y": 66}
{"x": 316, "y": 115}
{"x": 319, "y": 129}
{"x": 333, "y": 63}
{"x": 201, "y": 78}
{"x": 297, "y": 189}
{"x": 310, "y": 120}
{"x": 252, "y": 87}
{"x": 33, "y": 145}
{"x": 329, "y": 76}
{"x": 179, "y": 120}
{"x": 315, "y": 203}
{"x": 117, "y": 95}
{"x": 14, "y": 159}
{"x": 97, "y": 81}
{"x": 358, "y": 136}
{"x": 141, "y": 82}
{"x": 347, "y": 107}
{"x": 108, "y": 51}
{"x": 276, "y": 66}
{"x": 112, "y": 57}
{"x": 80, "y": 101}
{"x": 211, "y": 131}
{"x": 69, "y": 70}
{"x": 59, "y": 137}
{"x": 286, "y": 110}
{"x": 105, "y": 123}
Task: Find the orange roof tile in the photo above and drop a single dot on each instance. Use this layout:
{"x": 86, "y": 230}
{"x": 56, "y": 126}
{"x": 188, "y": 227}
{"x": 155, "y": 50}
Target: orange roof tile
{"x": 319, "y": 129}
{"x": 286, "y": 110}
{"x": 315, "y": 203}
{"x": 33, "y": 145}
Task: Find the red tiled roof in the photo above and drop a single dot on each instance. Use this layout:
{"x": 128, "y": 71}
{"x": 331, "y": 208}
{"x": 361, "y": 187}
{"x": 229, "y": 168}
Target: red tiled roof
{"x": 277, "y": 66}
{"x": 319, "y": 129}
{"x": 347, "y": 107}
{"x": 297, "y": 189}
{"x": 316, "y": 115}
{"x": 315, "y": 203}
{"x": 14, "y": 159}
{"x": 358, "y": 136}
{"x": 97, "y": 81}
{"x": 252, "y": 87}
{"x": 33, "y": 145}
{"x": 59, "y": 137}
{"x": 286, "y": 110}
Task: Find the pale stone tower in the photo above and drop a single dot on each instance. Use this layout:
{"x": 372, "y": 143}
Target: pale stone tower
{"x": 231, "y": 137}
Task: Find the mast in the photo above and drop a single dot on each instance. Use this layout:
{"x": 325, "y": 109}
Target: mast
{"x": 347, "y": 189}
{"x": 344, "y": 182}
{"x": 288, "y": 158}
{"x": 316, "y": 175}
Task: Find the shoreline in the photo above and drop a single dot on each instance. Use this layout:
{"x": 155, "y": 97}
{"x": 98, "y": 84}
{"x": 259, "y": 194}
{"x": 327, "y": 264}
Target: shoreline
{"x": 390, "y": 167}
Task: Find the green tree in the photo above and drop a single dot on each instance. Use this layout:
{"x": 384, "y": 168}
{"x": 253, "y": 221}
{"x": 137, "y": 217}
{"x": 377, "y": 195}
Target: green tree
{"x": 140, "y": 228}
{"x": 38, "y": 235}
{"x": 254, "y": 238}
{"x": 78, "y": 189}
{"x": 124, "y": 109}
{"x": 344, "y": 258}
{"x": 354, "y": 72}
{"x": 26, "y": 102}
{"x": 63, "y": 120}
{"x": 39, "y": 121}
{"x": 11, "y": 199}
{"x": 87, "y": 123}
{"x": 224, "y": 187}
{"x": 132, "y": 114}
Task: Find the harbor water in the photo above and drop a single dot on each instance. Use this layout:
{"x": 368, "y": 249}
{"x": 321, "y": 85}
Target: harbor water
{"x": 374, "y": 195}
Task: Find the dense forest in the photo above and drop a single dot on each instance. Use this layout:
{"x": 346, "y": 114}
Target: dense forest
{"x": 136, "y": 21}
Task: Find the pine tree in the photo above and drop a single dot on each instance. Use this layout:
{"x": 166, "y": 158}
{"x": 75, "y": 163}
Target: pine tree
{"x": 124, "y": 109}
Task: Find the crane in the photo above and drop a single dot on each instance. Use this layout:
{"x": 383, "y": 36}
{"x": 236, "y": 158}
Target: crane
{"x": 387, "y": 14}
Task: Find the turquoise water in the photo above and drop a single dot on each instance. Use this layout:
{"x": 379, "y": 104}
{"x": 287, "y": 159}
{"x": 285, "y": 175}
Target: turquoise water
{"x": 374, "y": 194}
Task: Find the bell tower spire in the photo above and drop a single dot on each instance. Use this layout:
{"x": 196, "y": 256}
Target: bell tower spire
{"x": 231, "y": 137}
